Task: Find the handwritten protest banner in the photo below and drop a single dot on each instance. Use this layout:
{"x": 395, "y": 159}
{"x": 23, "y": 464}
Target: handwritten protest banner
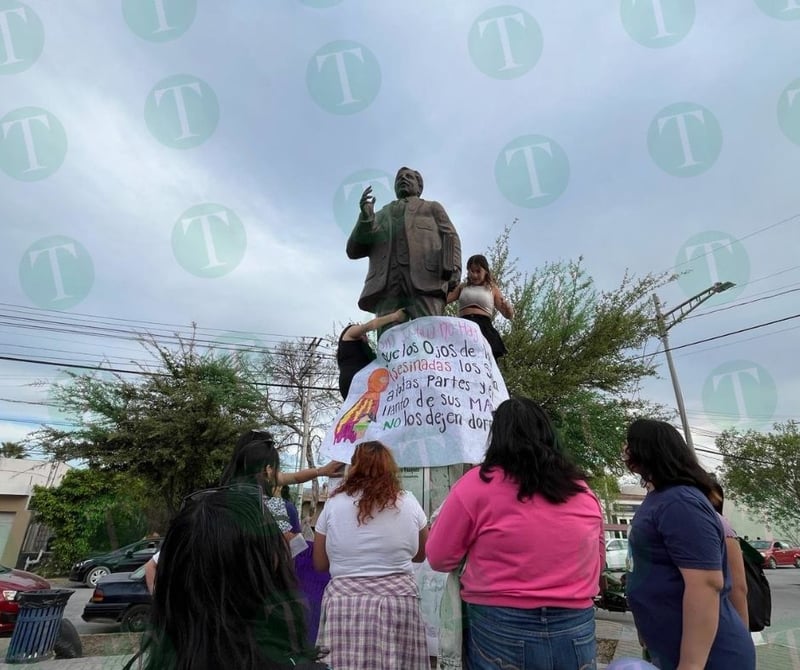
{"x": 429, "y": 396}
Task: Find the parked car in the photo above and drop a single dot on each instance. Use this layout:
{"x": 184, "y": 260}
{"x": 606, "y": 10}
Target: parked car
{"x": 612, "y": 592}
{"x": 124, "y": 559}
{"x": 777, "y": 552}
{"x": 616, "y": 554}
{"x": 12, "y": 582}
{"x": 123, "y": 598}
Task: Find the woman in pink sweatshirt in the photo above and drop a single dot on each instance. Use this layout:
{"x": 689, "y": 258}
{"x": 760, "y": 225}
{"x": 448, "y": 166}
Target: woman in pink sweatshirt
{"x": 531, "y": 532}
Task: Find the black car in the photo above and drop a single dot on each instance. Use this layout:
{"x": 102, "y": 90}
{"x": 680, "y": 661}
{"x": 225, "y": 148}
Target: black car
{"x": 124, "y": 559}
{"x": 122, "y": 597}
{"x": 612, "y": 593}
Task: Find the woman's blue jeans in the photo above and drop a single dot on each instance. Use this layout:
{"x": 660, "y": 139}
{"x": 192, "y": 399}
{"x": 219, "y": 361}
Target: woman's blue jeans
{"x": 546, "y": 638}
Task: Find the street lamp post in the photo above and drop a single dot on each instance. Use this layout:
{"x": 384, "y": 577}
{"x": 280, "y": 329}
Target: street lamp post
{"x": 667, "y": 320}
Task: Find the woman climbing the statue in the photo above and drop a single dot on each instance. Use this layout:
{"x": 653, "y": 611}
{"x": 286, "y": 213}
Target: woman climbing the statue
{"x": 354, "y": 353}
{"x": 478, "y": 297}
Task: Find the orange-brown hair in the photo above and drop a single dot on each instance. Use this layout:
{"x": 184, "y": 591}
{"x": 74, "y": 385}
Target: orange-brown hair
{"x": 374, "y": 474}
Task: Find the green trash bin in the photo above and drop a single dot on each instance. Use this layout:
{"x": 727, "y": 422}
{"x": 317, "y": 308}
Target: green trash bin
{"x": 38, "y": 625}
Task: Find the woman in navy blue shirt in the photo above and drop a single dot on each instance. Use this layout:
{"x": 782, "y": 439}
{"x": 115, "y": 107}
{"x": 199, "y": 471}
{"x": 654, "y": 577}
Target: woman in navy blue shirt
{"x": 679, "y": 585}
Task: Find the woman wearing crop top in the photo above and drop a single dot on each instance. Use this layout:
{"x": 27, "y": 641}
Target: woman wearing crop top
{"x": 478, "y": 297}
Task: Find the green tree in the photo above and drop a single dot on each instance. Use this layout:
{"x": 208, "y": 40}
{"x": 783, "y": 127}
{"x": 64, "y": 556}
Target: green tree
{"x": 302, "y": 399}
{"x": 13, "y": 450}
{"x": 762, "y": 470}
{"x": 174, "y": 426}
{"x": 577, "y": 350}
{"x": 90, "y": 511}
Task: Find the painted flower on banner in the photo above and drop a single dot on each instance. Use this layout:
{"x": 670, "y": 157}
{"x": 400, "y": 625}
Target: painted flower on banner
{"x": 684, "y": 139}
{"x": 740, "y": 394}
{"x": 505, "y": 42}
{"x": 430, "y": 393}
{"x": 789, "y": 111}
{"x": 343, "y": 77}
{"x": 348, "y": 194}
{"x": 181, "y": 111}
{"x": 784, "y": 10}
{"x": 710, "y": 257}
{"x": 33, "y": 144}
{"x": 56, "y": 272}
{"x": 21, "y": 37}
{"x": 209, "y": 240}
{"x": 159, "y": 20}
{"x": 657, "y": 23}
{"x": 532, "y": 171}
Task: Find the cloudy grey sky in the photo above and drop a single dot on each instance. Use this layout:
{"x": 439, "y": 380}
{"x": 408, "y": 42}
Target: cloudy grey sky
{"x": 170, "y": 161}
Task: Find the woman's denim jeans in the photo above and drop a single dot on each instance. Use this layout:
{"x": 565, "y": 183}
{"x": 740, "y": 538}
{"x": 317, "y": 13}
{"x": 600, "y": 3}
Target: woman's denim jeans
{"x": 546, "y": 638}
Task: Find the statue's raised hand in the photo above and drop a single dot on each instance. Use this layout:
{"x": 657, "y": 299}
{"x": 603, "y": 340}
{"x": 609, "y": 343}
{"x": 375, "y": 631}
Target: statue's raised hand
{"x": 367, "y": 204}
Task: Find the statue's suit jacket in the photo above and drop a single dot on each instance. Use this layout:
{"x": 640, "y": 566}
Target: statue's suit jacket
{"x": 434, "y": 250}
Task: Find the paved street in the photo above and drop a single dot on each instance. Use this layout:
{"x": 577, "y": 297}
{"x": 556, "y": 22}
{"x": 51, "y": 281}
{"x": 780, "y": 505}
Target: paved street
{"x": 75, "y": 606}
{"x": 785, "y": 586}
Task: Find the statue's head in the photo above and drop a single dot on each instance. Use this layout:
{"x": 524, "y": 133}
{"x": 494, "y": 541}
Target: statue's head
{"x": 407, "y": 182}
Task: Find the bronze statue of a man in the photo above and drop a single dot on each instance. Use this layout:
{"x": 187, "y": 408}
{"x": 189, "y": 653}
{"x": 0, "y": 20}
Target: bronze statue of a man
{"x": 413, "y": 249}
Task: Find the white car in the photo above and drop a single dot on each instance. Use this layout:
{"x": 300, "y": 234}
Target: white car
{"x": 616, "y": 554}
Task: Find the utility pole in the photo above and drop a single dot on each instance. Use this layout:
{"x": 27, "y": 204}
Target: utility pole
{"x": 305, "y": 409}
{"x": 667, "y": 320}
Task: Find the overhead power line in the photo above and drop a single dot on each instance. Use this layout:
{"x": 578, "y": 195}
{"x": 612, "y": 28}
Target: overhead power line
{"x": 140, "y": 324}
{"x": 793, "y": 217}
{"x": 735, "y": 332}
{"x": 89, "y": 330}
{"x": 731, "y": 344}
{"x": 742, "y": 304}
{"x": 145, "y": 373}
{"x": 720, "y": 336}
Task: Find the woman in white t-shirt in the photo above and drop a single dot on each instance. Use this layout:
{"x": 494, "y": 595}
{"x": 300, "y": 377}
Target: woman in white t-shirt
{"x": 368, "y": 534}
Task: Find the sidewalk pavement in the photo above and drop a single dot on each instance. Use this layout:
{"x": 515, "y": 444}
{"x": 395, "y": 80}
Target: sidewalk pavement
{"x": 779, "y": 650}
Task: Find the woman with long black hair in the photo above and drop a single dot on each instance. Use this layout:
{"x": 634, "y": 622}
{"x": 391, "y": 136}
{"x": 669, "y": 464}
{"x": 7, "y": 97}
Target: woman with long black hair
{"x": 678, "y": 589}
{"x": 531, "y": 531}
{"x": 227, "y": 597}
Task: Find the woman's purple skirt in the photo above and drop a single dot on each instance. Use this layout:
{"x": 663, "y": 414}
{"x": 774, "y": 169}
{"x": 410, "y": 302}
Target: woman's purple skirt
{"x": 312, "y": 585}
